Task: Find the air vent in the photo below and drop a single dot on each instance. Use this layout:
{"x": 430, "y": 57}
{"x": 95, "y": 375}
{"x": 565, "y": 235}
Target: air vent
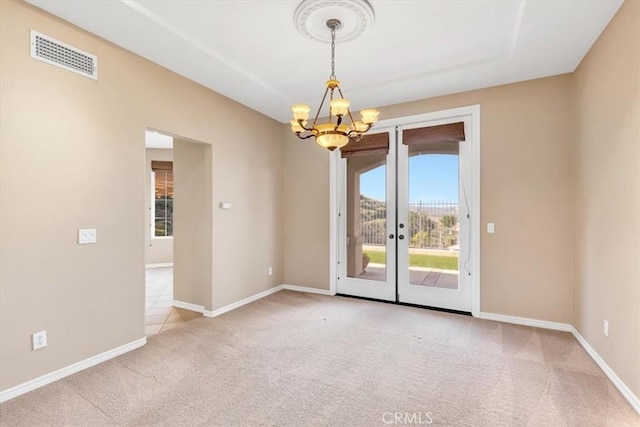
{"x": 61, "y": 55}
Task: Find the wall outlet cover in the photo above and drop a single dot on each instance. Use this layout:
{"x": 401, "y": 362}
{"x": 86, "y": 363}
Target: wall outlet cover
{"x": 39, "y": 339}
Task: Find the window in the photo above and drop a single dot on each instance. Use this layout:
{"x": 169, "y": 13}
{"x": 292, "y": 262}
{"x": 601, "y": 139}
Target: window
{"x": 162, "y": 207}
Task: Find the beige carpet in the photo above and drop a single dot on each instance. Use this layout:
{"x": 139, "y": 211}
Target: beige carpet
{"x": 295, "y": 359}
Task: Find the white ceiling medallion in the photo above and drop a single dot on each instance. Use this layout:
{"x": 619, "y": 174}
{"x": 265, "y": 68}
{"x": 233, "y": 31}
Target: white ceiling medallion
{"x": 311, "y": 18}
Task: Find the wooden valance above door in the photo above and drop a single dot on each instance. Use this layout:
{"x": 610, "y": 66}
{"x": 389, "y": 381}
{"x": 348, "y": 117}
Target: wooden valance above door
{"x": 158, "y": 165}
{"x": 452, "y": 132}
{"x": 370, "y": 145}
{"x": 378, "y": 144}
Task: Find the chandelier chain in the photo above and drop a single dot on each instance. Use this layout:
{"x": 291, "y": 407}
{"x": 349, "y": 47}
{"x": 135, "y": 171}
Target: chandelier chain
{"x": 333, "y": 54}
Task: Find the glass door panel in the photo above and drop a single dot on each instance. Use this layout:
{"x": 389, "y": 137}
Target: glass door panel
{"x": 367, "y": 217}
{"x": 433, "y": 216}
{"x": 367, "y": 226}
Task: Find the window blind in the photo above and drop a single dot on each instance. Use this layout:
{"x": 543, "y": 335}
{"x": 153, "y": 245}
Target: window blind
{"x": 158, "y": 165}
{"x": 452, "y": 132}
{"x": 369, "y": 145}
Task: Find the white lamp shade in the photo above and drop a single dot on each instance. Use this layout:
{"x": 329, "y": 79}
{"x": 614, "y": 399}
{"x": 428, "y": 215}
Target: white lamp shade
{"x": 339, "y": 106}
{"x": 369, "y": 116}
{"x": 295, "y": 126}
{"x": 359, "y": 127}
{"x": 300, "y": 111}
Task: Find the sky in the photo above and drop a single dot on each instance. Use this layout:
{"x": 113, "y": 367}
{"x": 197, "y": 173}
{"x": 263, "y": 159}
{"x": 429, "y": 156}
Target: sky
{"x": 432, "y": 177}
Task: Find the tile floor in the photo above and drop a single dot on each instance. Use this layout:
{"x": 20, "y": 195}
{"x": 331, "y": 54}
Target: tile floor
{"x": 160, "y": 315}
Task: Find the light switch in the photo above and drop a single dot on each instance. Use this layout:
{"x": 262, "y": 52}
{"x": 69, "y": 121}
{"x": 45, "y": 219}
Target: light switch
{"x": 87, "y": 236}
{"x": 225, "y": 205}
{"x": 491, "y": 227}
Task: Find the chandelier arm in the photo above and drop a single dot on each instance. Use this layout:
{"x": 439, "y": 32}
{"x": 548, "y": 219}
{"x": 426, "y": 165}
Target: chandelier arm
{"x": 304, "y": 137}
{"x": 300, "y": 121}
{"x": 360, "y": 134}
{"x": 330, "y": 99}
{"x": 351, "y": 117}
{"x": 315, "y": 120}
{"x": 355, "y": 137}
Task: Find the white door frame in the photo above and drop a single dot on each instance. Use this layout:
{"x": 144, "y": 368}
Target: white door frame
{"x": 472, "y": 111}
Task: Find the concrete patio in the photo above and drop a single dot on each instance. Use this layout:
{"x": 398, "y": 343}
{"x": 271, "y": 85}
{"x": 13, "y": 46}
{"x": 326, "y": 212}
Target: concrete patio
{"x": 419, "y": 276}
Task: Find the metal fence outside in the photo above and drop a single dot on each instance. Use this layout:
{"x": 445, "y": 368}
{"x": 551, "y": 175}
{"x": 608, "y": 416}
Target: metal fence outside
{"x": 432, "y": 224}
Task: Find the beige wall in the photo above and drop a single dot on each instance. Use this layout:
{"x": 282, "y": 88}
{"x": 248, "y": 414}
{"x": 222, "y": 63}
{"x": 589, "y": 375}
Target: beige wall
{"x": 306, "y": 212}
{"x": 157, "y": 251}
{"x": 607, "y": 196}
{"x": 192, "y": 223}
{"x": 73, "y": 156}
{"x": 525, "y": 189}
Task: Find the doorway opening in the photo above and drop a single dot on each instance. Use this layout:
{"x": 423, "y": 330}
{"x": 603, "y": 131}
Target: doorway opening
{"x": 160, "y": 191}
{"x": 159, "y": 195}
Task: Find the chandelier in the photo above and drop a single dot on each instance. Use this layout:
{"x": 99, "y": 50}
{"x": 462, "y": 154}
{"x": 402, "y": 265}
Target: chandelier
{"x": 334, "y": 133}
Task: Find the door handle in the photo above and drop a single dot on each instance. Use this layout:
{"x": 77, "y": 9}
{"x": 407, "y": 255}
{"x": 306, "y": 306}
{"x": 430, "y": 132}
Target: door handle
{"x": 401, "y": 236}
{"x": 391, "y": 236}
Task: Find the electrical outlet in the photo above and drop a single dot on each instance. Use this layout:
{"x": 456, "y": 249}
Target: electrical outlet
{"x": 606, "y": 328}
{"x": 270, "y": 271}
{"x": 39, "y": 339}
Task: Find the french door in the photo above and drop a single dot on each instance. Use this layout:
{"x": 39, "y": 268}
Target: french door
{"x": 403, "y": 219}
{"x": 367, "y": 223}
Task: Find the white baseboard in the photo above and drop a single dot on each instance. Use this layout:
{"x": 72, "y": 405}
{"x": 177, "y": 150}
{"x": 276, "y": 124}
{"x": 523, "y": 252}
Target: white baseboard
{"x": 525, "y": 321}
{"x": 232, "y": 306}
{"x": 263, "y": 294}
{"x": 626, "y": 391}
{"x": 306, "y": 289}
{"x": 188, "y": 306}
{"x": 160, "y": 265}
{"x": 23, "y": 388}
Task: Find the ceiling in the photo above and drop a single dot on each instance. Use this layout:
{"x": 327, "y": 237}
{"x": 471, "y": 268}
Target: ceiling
{"x": 252, "y": 52}
{"x": 154, "y": 139}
